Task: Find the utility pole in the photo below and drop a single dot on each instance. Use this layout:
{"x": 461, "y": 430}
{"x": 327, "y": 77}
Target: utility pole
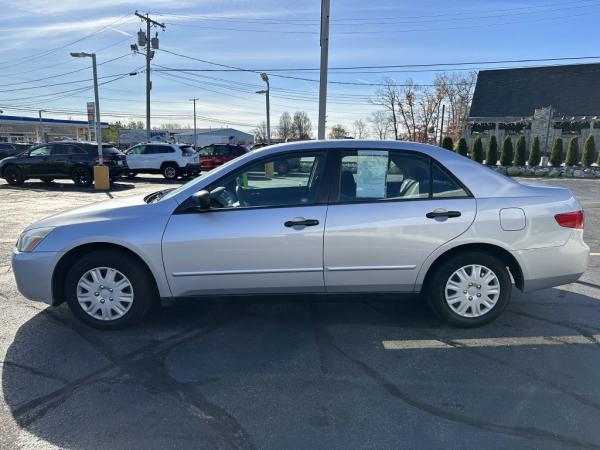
{"x": 42, "y": 140}
{"x": 442, "y": 127}
{"x": 324, "y": 67}
{"x": 265, "y": 78}
{"x": 149, "y": 55}
{"x": 194, "y": 100}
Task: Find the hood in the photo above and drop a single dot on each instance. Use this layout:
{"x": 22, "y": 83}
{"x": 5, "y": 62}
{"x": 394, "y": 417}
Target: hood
{"x": 118, "y": 208}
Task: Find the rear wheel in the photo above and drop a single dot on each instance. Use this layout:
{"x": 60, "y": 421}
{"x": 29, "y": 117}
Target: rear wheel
{"x": 109, "y": 289}
{"x": 170, "y": 171}
{"x": 131, "y": 175}
{"x": 470, "y": 289}
{"x": 82, "y": 176}
{"x": 13, "y": 175}
{"x": 47, "y": 180}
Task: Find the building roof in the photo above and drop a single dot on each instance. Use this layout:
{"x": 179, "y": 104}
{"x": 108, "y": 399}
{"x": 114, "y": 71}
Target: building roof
{"x": 45, "y": 121}
{"x": 572, "y": 90}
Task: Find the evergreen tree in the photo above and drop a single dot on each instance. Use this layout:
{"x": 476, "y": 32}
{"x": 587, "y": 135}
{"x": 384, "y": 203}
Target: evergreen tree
{"x": 556, "y": 157}
{"x": 477, "y": 153}
{"x": 520, "y": 152}
{"x": 534, "y": 153}
{"x": 573, "y": 153}
{"x": 507, "y": 152}
{"x": 589, "y": 149}
{"x": 461, "y": 147}
{"x": 447, "y": 143}
{"x": 491, "y": 154}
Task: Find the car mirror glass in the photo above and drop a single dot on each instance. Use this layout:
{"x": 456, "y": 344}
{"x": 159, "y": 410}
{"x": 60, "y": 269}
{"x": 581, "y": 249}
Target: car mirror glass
{"x": 201, "y": 200}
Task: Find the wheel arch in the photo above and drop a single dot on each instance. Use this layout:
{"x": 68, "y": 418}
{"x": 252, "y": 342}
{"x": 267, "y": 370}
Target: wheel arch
{"x": 501, "y": 253}
{"x": 168, "y": 163}
{"x": 60, "y": 270}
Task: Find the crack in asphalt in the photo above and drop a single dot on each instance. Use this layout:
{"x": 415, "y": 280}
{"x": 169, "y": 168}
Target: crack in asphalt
{"x": 141, "y": 365}
{"x": 35, "y": 371}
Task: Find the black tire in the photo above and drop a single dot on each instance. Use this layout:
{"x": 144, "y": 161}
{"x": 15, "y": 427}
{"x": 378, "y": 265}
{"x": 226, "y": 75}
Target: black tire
{"x": 131, "y": 175}
{"x": 170, "y": 171}
{"x": 82, "y": 176}
{"x": 143, "y": 287}
{"x": 47, "y": 180}
{"x": 435, "y": 291}
{"x": 13, "y": 175}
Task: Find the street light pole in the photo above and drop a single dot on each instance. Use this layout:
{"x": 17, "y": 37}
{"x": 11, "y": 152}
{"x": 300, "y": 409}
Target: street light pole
{"x": 265, "y": 78}
{"x": 42, "y": 140}
{"x": 324, "y": 63}
{"x": 194, "y": 100}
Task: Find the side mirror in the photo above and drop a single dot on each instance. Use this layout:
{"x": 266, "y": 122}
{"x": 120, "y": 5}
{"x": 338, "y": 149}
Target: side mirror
{"x": 201, "y": 200}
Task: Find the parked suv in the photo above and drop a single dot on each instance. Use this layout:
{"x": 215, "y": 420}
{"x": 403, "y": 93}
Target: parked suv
{"x": 214, "y": 155}
{"x": 8, "y": 149}
{"x": 69, "y": 159}
{"x": 171, "y": 160}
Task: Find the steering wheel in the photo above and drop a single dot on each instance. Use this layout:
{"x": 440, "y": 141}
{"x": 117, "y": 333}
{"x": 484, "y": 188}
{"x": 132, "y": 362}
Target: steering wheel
{"x": 241, "y": 195}
{"x": 222, "y": 196}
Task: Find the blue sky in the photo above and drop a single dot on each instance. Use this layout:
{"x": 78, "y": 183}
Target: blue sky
{"x": 263, "y": 34}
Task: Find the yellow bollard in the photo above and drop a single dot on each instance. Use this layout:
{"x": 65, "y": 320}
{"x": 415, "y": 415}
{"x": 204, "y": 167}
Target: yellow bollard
{"x": 101, "y": 178}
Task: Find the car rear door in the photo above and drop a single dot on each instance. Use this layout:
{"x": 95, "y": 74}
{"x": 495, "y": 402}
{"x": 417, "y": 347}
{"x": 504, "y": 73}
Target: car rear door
{"x": 389, "y": 211}
{"x": 263, "y": 233}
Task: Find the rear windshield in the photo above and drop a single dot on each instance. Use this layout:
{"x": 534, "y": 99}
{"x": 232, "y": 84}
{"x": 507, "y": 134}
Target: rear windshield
{"x": 110, "y": 150}
{"x": 187, "y": 150}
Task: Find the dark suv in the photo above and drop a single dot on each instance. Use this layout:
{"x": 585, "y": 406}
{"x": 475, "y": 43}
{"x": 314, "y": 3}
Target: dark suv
{"x": 74, "y": 160}
{"x": 214, "y": 155}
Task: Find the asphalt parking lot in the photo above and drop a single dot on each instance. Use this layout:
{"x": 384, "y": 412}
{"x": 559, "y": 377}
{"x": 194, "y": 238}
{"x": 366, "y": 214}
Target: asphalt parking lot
{"x": 359, "y": 372}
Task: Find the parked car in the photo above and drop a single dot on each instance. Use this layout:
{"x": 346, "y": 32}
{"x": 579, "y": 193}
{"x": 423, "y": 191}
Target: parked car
{"x": 8, "y": 149}
{"x": 214, "y": 155}
{"x": 171, "y": 160}
{"x": 396, "y": 217}
{"x": 60, "y": 160}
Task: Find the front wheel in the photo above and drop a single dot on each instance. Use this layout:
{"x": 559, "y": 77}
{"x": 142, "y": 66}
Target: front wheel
{"x": 170, "y": 172}
{"x": 109, "y": 289}
{"x": 14, "y": 176}
{"x": 82, "y": 176}
{"x": 469, "y": 289}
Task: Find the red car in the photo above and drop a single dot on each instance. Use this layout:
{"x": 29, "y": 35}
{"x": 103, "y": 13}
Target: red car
{"x": 214, "y": 155}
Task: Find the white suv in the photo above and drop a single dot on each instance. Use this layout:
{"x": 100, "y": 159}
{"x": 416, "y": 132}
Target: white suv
{"x": 171, "y": 160}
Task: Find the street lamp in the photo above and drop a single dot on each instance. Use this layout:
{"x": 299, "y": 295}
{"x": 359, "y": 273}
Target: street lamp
{"x": 265, "y": 78}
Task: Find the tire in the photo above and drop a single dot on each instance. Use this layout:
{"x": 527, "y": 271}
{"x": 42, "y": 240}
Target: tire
{"x": 137, "y": 298}
{"x": 131, "y": 175}
{"x": 13, "y": 175}
{"x": 170, "y": 171}
{"x": 47, "y": 180}
{"x": 460, "y": 299}
{"x": 82, "y": 176}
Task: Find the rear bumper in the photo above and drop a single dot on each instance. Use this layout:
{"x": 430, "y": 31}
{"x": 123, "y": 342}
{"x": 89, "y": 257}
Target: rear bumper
{"x": 33, "y": 274}
{"x": 118, "y": 171}
{"x": 190, "y": 167}
{"x": 553, "y": 266}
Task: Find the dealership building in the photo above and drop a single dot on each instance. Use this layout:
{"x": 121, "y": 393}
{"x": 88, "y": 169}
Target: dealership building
{"x": 32, "y": 129}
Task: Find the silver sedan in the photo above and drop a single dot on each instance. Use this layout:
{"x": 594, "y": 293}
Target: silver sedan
{"x": 312, "y": 217}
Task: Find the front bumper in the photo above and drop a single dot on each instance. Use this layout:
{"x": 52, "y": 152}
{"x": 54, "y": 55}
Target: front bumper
{"x": 553, "y": 266}
{"x": 33, "y": 274}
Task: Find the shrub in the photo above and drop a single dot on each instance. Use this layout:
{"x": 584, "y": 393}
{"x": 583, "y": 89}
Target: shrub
{"x": 461, "y": 147}
{"x": 573, "y": 153}
{"x": 556, "y": 157}
{"x": 589, "y": 149}
{"x": 534, "y": 154}
{"x": 520, "y": 152}
{"x": 447, "y": 143}
{"x": 507, "y": 152}
{"x": 491, "y": 154}
{"x": 477, "y": 152}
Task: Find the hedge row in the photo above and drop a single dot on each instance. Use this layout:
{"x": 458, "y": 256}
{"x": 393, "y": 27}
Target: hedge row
{"x": 516, "y": 157}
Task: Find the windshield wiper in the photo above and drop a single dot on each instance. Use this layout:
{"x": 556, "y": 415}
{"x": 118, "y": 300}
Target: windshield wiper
{"x": 156, "y": 196}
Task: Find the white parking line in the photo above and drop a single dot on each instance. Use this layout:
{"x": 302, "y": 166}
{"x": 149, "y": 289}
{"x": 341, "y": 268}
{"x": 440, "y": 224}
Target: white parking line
{"x": 490, "y": 342}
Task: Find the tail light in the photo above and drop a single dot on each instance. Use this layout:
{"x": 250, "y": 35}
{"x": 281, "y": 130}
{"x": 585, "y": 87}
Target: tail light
{"x": 575, "y": 219}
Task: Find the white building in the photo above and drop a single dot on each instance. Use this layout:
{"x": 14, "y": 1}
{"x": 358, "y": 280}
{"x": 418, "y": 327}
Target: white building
{"x": 207, "y": 136}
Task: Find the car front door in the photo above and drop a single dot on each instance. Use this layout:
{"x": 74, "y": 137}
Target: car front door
{"x": 263, "y": 232}
{"x": 134, "y": 157}
{"x": 389, "y": 211}
{"x": 37, "y": 162}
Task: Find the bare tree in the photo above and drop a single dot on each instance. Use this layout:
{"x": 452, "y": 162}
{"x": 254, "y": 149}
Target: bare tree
{"x": 301, "y": 126}
{"x": 260, "y": 132}
{"x": 380, "y": 123}
{"x": 388, "y": 96}
{"x": 338, "y": 132}
{"x": 407, "y": 107}
{"x": 457, "y": 90}
{"x": 360, "y": 130}
{"x": 284, "y": 131}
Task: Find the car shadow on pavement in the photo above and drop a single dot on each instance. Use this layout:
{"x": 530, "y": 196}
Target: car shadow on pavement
{"x": 56, "y": 186}
{"x": 247, "y": 373}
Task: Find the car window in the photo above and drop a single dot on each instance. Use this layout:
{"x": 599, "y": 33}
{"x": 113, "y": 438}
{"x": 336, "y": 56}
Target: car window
{"x": 222, "y": 150}
{"x": 443, "y": 185}
{"x": 65, "y": 149}
{"x": 207, "y": 151}
{"x": 275, "y": 181}
{"x": 6, "y": 146}
{"x": 161, "y": 149}
{"x": 44, "y": 150}
{"x": 137, "y": 150}
{"x": 382, "y": 174}
{"x": 187, "y": 150}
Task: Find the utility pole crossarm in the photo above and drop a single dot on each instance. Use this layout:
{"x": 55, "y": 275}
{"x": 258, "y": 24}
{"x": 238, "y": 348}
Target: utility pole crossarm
{"x": 148, "y": 19}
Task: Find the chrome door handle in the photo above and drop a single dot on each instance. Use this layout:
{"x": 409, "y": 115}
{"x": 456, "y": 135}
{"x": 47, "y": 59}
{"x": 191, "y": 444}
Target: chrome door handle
{"x": 442, "y": 213}
{"x": 301, "y": 222}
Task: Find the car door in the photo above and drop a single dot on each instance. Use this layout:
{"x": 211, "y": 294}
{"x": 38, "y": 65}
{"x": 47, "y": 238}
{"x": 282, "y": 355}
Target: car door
{"x": 389, "y": 211}
{"x": 134, "y": 157}
{"x": 263, "y": 232}
{"x": 60, "y": 160}
{"x": 37, "y": 161}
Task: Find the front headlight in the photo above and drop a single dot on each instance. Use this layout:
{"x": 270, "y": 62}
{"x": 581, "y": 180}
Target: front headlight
{"x": 30, "y": 239}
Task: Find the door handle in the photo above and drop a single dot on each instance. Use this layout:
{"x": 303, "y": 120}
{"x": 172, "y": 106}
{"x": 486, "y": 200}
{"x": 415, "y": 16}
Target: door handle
{"x": 301, "y": 222}
{"x": 442, "y": 213}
